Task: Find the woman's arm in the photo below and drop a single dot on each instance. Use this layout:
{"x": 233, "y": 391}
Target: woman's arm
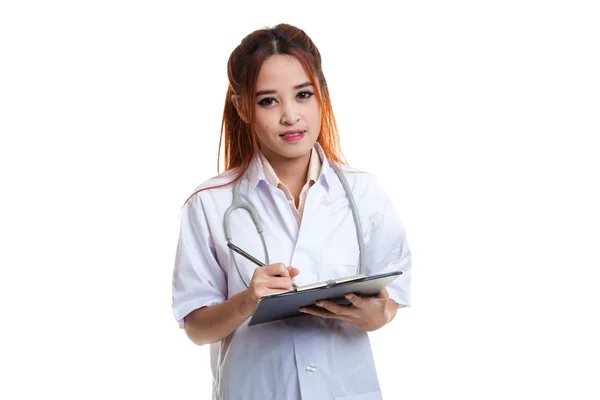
{"x": 214, "y": 323}
{"x": 211, "y": 324}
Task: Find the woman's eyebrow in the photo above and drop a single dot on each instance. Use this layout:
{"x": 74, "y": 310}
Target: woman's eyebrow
{"x": 300, "y": 86}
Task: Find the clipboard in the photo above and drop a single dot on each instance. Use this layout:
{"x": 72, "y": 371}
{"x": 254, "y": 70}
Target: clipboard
{"x": 285, "y": 304}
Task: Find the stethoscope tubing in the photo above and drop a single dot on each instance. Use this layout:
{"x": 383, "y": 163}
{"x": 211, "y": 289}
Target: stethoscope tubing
{"x": 237, "y": 202}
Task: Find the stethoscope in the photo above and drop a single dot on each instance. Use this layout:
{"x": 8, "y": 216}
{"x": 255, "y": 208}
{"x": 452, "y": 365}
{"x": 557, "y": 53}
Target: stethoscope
{"x": 237, "y": 202}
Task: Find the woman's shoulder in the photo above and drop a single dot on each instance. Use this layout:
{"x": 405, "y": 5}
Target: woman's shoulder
{"x": 363, "y": 183}
{"x": 216, "y": 186}
{"x": 358, "y": 176}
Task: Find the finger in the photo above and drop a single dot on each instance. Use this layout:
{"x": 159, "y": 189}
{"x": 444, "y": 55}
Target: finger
{"x": 337, "y": 309}
{"x": 356, "y": 301}
{"x": 384, "y": 295}
{"x": 293, "y": 271}
{"x": 318, "y": 312}
{"x": 275, "y": 282}
{"x": 273, "y": 285}
{"x": 271, "y": 282}
{"x": 276, "y": 269}
{"x": 262, "y": 292}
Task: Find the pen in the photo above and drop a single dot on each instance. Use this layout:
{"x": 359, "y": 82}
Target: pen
{"x": 249, "y": 257}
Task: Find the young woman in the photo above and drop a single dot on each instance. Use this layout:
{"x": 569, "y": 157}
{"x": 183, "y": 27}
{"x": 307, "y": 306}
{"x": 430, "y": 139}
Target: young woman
{"x": 281, "y": 155}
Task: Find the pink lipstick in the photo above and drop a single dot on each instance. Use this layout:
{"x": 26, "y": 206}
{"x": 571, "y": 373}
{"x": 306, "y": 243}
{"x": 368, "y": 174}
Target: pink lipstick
{"x": 293, "y": 135}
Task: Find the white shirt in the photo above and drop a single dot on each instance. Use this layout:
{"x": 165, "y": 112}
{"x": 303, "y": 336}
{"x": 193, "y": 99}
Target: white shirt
{"x": 304, "y": 357}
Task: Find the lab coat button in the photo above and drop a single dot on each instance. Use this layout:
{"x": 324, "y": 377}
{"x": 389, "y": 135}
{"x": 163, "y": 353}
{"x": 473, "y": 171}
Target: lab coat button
{"x": 311, "y": 369}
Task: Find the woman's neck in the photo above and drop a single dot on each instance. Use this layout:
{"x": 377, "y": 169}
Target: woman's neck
{"x": 290, "y": 171}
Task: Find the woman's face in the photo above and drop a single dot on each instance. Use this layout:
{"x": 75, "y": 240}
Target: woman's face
{"x": 287, "y": 113}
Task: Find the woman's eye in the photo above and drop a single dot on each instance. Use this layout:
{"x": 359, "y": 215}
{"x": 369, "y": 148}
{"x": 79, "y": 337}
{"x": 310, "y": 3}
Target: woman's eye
{"x": 304, "y": 95}
{"x": 267, "y": 101}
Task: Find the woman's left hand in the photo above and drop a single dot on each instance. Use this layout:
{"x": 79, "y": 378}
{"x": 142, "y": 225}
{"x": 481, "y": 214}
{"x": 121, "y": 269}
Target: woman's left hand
{"x": 368, "y": 313}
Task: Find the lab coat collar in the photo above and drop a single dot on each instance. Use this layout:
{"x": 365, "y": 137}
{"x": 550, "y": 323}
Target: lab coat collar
{"x": 255, "y": 172}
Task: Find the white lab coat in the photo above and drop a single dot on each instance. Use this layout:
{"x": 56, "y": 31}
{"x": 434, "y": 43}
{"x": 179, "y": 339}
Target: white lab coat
{"x": 305, "y": 357}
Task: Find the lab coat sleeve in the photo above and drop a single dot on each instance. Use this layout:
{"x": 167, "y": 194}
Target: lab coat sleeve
{"x": 387, "y": 247}
{"x": 198, "y": 279}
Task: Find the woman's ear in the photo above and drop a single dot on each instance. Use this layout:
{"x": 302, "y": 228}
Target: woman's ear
{"x": 238, "y": 106}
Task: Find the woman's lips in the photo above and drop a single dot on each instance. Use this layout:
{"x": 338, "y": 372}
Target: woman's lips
{"x": 292, "y": 136}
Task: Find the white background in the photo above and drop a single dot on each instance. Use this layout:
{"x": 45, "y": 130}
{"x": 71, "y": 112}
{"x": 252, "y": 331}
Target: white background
{"x": 480, "y": 118}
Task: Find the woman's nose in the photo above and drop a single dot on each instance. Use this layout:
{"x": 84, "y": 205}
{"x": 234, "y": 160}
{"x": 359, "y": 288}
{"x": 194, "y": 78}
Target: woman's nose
{"x": 290, "y": 115}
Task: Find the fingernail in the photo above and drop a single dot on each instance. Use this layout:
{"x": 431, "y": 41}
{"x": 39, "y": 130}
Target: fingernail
{"x": 349, "y": 296}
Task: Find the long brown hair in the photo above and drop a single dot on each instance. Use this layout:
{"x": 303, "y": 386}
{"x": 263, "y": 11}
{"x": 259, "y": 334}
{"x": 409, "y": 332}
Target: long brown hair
{"x": 242, "y": 70}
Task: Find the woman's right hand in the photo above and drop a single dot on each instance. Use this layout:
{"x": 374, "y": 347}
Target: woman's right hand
{"x": 270, "y": 279}
{"x": 213, "y": 323}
